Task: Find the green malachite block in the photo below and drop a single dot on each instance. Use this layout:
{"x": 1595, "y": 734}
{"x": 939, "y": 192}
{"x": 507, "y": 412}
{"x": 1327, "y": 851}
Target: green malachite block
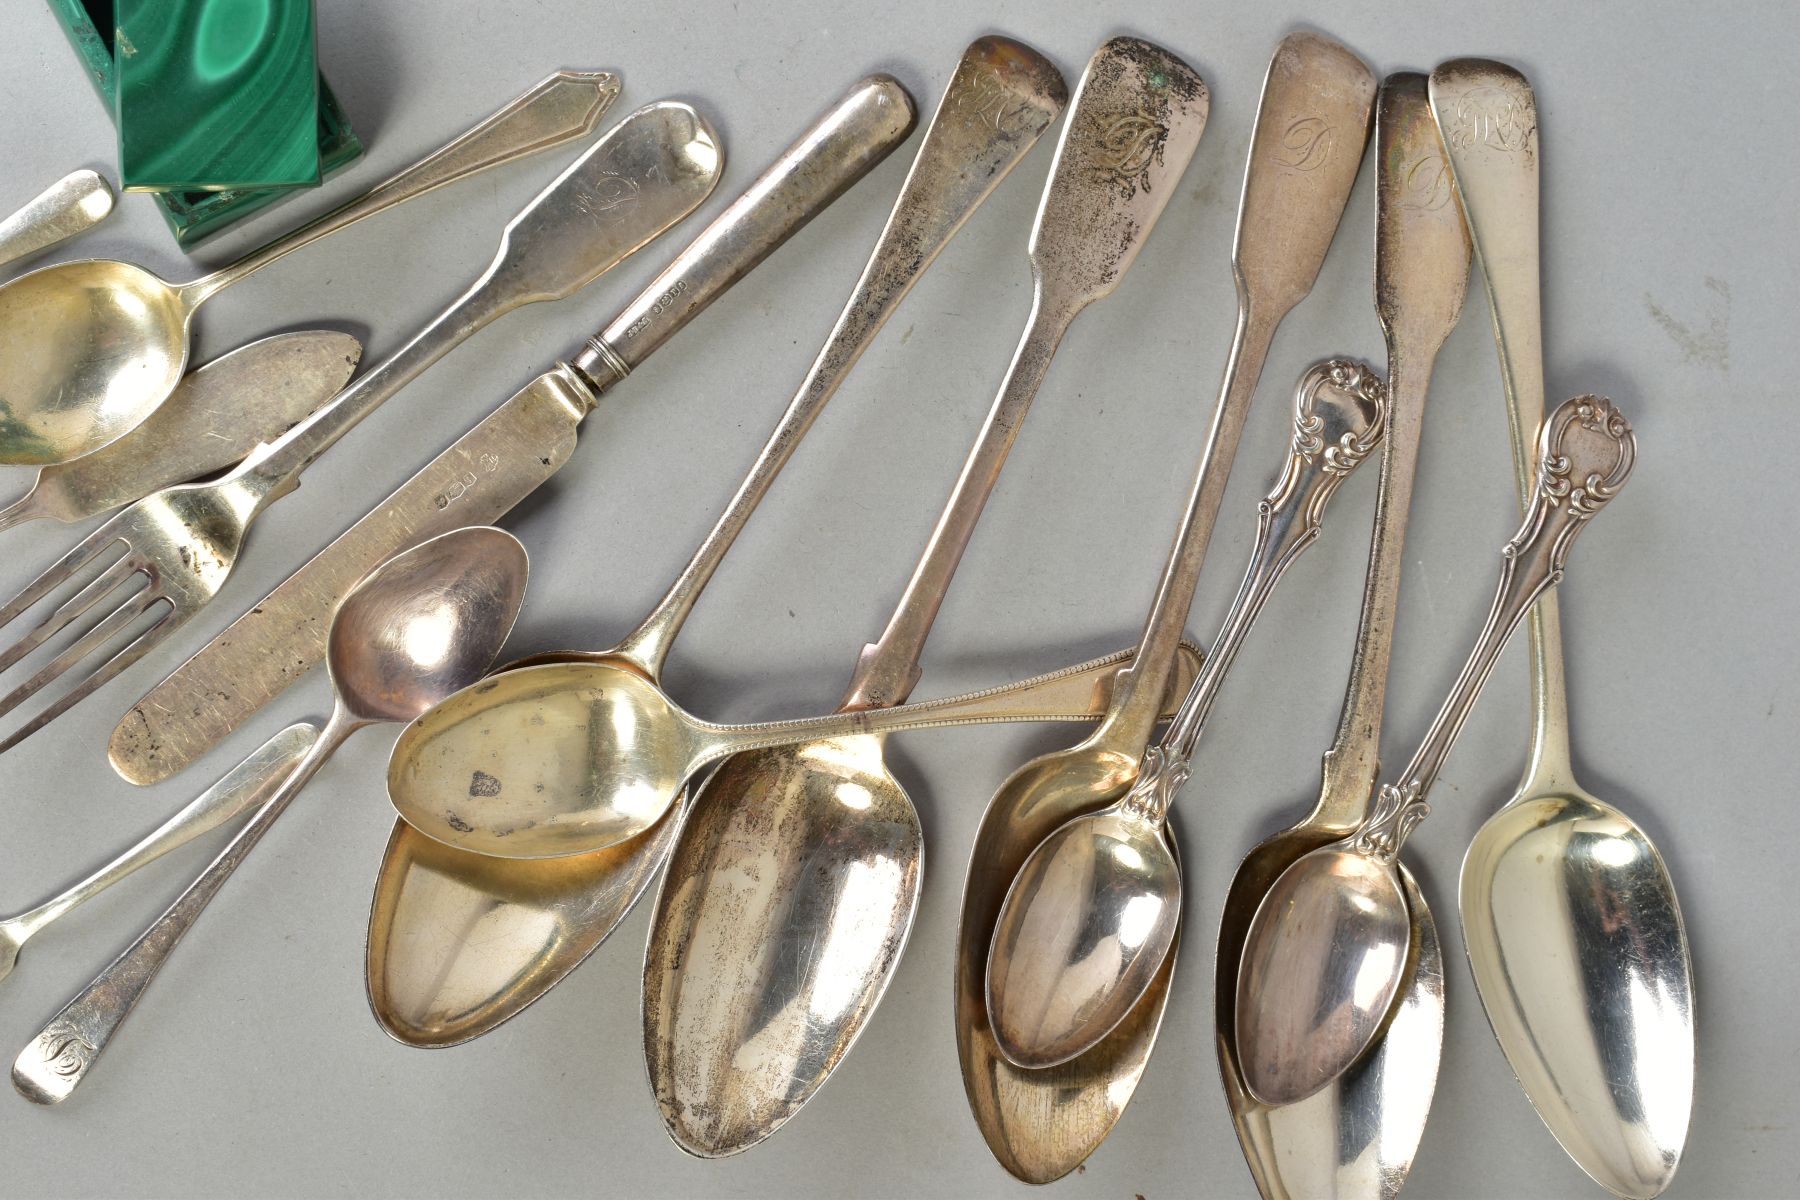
{"x": 195, "y": 216}
{"x": 216, "y": 94}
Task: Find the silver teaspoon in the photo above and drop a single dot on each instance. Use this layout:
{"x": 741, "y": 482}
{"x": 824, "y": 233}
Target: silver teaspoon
{"x": 1094, "y": 911}
{"x": 1329, "y": 946}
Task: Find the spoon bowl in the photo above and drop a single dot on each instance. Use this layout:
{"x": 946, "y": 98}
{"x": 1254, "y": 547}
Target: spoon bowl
{"x": 1043, "y": 1124}
{"x": 1083, "y": 920}
{"x": 1578, "y": 950}
{"x": 88, "y": 349}
{"x": 1302, "y": 1020}
{"x": 1358, "y": 1134}
{"x": 794, "y": 899}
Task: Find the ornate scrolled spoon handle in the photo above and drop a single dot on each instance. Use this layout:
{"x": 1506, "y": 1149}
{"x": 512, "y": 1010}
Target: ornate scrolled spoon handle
{"x": 1586, "y": 450}
{"x": 1340, "y": 416}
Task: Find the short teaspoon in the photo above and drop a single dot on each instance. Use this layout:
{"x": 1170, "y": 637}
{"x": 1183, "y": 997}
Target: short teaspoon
{"x": 1094, "y": 911}
{"x": 422, "y": 625}
{"x": 1328, "y": 948}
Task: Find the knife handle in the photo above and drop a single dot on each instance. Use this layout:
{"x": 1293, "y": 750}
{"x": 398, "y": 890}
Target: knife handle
{"x": 841, "y": 147}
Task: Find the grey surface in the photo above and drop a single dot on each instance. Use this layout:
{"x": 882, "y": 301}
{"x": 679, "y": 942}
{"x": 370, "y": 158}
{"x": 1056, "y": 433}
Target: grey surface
{"x": 253, "y": 1067}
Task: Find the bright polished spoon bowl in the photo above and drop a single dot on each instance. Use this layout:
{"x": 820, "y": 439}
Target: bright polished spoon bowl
{"x": 422, "y": 625}
{"x": 1570, "y": 918}
{"x": 90, "y": 348}
{"x": 1331, "y": 943}
{"x": 1096, "y": 908}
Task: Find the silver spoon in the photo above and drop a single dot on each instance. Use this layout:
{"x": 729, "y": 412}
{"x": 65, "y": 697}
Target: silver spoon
{"x": 1040, "y": 1125}
{"x": 460, "y": 943}
{"x": 1358, "y": 1136}
{"x": 89, "y": 348}
{"x": 990, "y": 114}
{"x": 818, "y": 843}
{"x": 67, "y": 208}
{"x": 1569, "y": 915}
{"x": 1095, "y": 909}
{"x": 422, "y": 625}
{"x": 1330, "y": 944}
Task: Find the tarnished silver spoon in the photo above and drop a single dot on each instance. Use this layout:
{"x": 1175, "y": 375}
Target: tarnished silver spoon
{"x": 1330, "y": 944}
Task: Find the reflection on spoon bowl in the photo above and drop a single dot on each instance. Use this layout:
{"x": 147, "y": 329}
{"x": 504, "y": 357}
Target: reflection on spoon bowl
{"x": 88, "y": 349}
{"x": 1081, "y": 935}
{"x": 1581, "y": 958}
{"x": 1323, "y": 961}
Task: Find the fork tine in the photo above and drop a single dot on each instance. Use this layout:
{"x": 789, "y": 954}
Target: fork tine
{"x": 84, "y": 553}
{"x": 128, "y": 654}
{"x": 84, "y": 600}
{"x": 115, "y": 623}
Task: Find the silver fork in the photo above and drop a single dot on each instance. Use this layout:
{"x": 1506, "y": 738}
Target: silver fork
{"x": 652, "y": 169}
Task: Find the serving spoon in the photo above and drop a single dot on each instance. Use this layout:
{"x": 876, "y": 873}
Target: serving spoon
{"x": 1330, "y": 944}
{"x": 1304, "y": 153}
{"x": 1357, "y": 1136}
{"x": 90, "y": 348}
{"x": 1569, "y": 914}
{"x": 461, "y": 942}
{"x": 1001, "y": 97}
{"x": 1095, "y": 909}
{"x": 421, "y": 626}
{"x": 818, "y": 844}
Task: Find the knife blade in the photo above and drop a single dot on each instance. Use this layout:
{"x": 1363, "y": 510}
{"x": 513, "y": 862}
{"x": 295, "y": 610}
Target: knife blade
{"x": 510, "y": 453}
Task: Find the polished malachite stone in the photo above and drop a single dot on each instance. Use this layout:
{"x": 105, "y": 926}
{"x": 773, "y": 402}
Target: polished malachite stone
{"x": 195, "y": 216}
{"x": 216, "y": 94}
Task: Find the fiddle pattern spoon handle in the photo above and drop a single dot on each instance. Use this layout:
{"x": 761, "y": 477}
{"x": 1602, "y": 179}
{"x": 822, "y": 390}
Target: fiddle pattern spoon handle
{"x": 67, "y": 208}
{"x": 1306, "y": 148}
{"x": 1585, "y": 454}
{"x": 1340, "y": 416}
{"x": 560, "y": 108}
{"x": 1091, "y": 225}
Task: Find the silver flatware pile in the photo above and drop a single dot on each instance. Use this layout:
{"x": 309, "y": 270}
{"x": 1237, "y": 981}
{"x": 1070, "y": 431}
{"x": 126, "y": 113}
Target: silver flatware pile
{"x": 537, "y": 803}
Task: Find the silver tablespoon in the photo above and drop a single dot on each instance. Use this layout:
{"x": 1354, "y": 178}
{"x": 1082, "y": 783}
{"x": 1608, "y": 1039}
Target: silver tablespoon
{"x": 422, "y": 625}
{"x": 1095, "y": 909}
{"x": 91, "y": 347}
{"x": 818, "y": 844}
{"x": 1330, "y": 944}
{"x": 1357, "y": 1137}
{"x": 1569, "y": 915}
